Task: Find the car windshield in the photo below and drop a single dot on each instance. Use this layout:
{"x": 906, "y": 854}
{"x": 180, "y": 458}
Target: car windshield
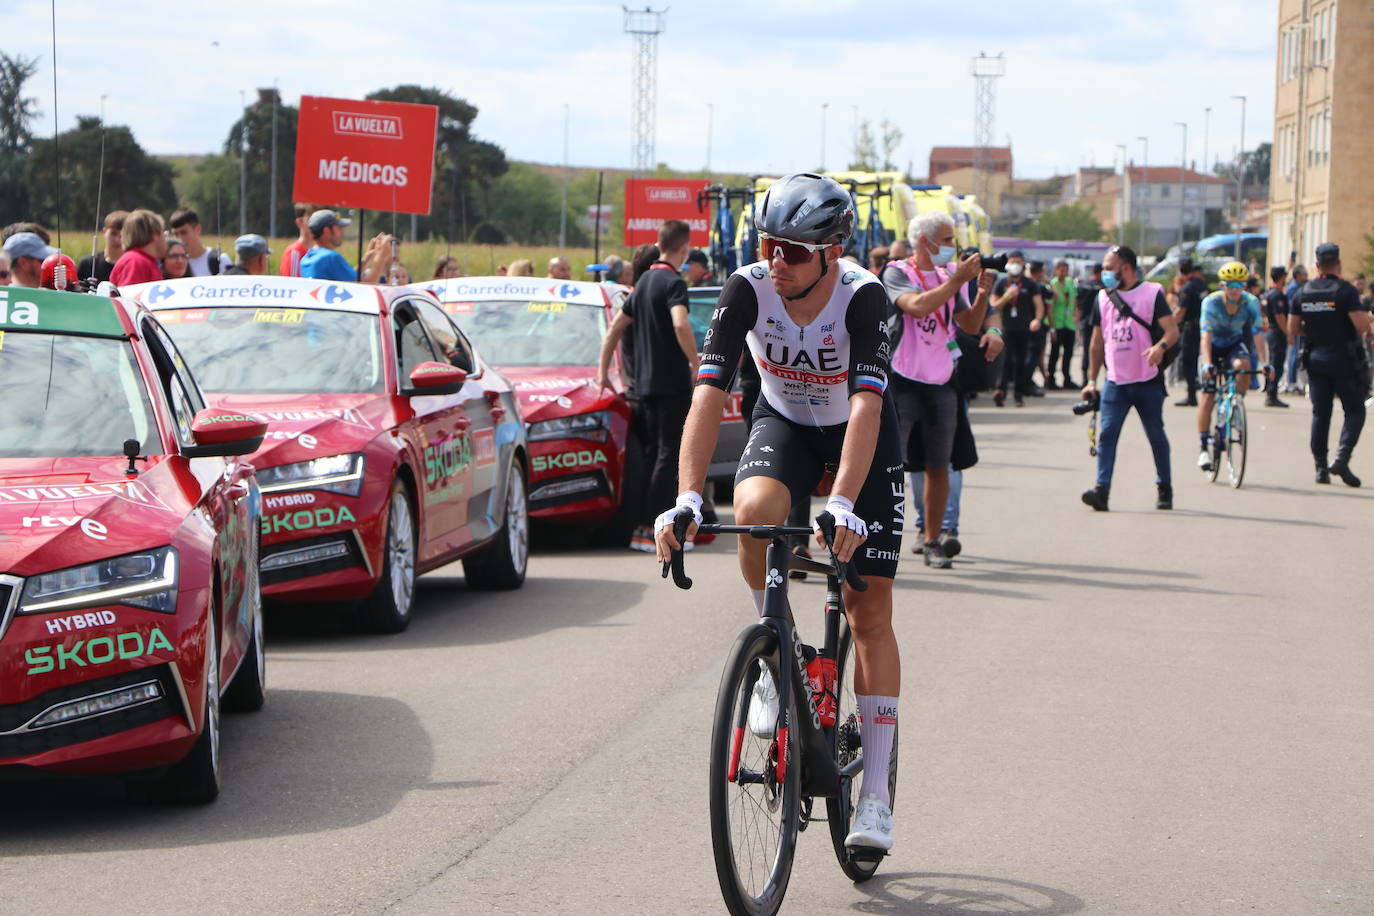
{"x": 72, "y": 397}
{"x": 309, "y": 351}
{"x": 701, "y": 305}
{"x": 523, "y": 333}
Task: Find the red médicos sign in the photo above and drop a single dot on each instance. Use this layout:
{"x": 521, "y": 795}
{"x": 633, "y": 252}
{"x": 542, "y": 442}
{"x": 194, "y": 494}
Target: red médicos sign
{"x": 649, "y": 202}
{"x": 372, "y": 155}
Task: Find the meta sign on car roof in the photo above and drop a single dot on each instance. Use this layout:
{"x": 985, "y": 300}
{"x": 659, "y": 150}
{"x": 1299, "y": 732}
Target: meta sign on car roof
{"x": 373, "y": 155}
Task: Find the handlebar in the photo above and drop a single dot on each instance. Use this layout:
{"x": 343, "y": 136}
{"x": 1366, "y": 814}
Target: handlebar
{"x": 825, "y": 521}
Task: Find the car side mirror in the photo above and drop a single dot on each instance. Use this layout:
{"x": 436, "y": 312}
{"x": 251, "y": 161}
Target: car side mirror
{"x": 219, "y": 433}
{"x": 435, "y": 378}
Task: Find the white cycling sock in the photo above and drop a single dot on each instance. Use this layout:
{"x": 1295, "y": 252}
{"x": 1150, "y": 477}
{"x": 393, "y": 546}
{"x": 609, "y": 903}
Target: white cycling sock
{"x": 877, "y": 725}
{"x": 757, "y": 595}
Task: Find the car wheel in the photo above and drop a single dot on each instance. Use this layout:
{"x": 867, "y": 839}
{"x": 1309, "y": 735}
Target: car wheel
{"x": 248, "y": 690}
{"x": 633, "y": 483}
{"x": 502, "y": 565}
{"x": 388, "y": 608}
{"x": 196, "y": 779}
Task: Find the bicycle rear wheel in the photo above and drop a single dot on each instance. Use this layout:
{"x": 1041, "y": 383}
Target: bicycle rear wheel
{"x": 754, "y": 810}
{"x": 1236, "y": 443}
{"x": 839, "y": 811}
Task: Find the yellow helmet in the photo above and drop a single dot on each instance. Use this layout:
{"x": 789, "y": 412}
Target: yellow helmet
{"x": 1234, "y": 272}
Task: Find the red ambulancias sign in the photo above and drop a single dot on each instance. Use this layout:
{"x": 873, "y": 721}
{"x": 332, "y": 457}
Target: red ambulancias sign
{"x": 373, "y": 155}
{"x": 650, "y": 201}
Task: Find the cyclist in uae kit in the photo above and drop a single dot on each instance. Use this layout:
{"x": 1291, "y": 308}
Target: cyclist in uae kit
{"x": 1232, "y": 337}
{"x": 814, "y": 324}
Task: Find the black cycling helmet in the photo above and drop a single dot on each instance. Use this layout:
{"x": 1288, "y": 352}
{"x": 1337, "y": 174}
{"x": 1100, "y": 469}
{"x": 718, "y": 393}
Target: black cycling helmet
{"x": 806, "y": 207}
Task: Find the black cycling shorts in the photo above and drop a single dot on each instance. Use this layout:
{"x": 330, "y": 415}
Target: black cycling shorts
{"x": 798, "y": 456}
{"x": 1223, "y": 357}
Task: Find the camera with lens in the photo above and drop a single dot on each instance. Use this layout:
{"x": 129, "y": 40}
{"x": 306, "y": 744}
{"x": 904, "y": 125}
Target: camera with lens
{"x": 1088, "y": 404}
{"x": 997, "y": 262}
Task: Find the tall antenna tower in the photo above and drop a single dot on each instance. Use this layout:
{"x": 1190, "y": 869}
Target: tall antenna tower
{"x": 645, "y": 25}
{"x": 986, "y": 71}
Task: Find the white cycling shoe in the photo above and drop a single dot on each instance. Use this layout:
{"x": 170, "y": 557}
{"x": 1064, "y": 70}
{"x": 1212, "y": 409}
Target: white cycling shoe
{"x": 763, "y": 706}
{"x": 872, "y": 825}
{"x": 1204, "y": 461}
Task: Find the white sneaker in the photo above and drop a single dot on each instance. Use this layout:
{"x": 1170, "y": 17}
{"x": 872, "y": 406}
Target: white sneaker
{"x": 1204, "y": 461}
{"x": 872, "y": 824}
{"x": 763, "y": 706}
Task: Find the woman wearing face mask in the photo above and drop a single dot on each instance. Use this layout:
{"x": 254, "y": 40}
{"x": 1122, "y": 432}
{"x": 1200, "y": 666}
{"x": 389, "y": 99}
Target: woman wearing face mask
{"x": 1022, "y": 310}
{"x": 930, "y": 300}
{"x": 1127, "y": 314}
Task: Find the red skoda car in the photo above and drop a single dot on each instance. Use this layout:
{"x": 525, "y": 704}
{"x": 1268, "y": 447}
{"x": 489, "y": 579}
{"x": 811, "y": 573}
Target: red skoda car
{"x": 129, "y": 601}
{"x": 392, "y": 448}
{"x": 586, "y": 463}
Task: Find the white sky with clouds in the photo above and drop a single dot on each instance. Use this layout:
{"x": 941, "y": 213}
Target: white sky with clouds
{"x": 1081, "y": 76}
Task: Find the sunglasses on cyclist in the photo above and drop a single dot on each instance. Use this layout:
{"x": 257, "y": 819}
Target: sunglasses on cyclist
{"x": 1235, "y": 284}
{"x": 793, "y": 254}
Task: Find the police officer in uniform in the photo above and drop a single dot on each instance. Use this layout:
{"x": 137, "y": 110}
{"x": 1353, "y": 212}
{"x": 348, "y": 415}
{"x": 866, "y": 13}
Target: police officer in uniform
{"x": 1328, "y": 311}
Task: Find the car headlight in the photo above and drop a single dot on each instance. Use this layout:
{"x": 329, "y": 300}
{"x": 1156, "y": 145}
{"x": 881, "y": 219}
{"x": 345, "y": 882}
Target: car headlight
{"x": 335, "y": 474}
{"x": 595, "y": 426}
{"x": 147, "y": 580}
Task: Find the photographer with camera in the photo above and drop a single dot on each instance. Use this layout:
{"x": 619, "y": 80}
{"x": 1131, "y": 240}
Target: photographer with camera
{"x": 930, "y": 301}
{"x": 1022, "y": 310}
{"x": 1132, "y": 328}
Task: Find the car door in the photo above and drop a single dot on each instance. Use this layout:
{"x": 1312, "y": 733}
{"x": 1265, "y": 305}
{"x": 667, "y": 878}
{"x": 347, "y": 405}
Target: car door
{"x": 227, "y": 498}
{"x": 484, "y": 411}
{"x": 440, "y": 432}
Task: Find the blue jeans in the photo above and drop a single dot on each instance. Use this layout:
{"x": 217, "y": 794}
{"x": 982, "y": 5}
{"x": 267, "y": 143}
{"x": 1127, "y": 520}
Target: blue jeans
{"x": 1293, "y": 353}
{"x": 956, "y": 489}
{"x": 1117, "y": 400}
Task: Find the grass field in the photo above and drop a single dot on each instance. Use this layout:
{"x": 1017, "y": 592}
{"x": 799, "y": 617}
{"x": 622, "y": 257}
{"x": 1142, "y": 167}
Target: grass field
{"x": 419, "y": 258}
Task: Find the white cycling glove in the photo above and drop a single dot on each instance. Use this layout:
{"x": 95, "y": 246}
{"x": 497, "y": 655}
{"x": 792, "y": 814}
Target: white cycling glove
{"x": 843, "y": 511}
{"x": 688, "y": 499}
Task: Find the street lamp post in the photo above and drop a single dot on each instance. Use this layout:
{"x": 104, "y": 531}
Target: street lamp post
{"x": 563, "y": 212}
{"x": 1146, "y": 166}
{"x": 710, "y": 126}
{"x": 1121, "y": 218}
{"x": 1206, "y": 169}
{"x": 1240, "y": 172}
{"x": 824, "y": 106}
{"x": 1182, "y": 182}
{"x": 243, "y": 165}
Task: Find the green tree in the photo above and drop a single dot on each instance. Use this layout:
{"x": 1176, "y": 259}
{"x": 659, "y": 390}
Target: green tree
{"x": 464, "y": 167}
{"x": 213, "y": 192}
{"x": 524, "y": 205}
{"x": 1367, "y": 262}
{"x": 257, "y": 122}
{"x": 1069, "y": 221}
{"x": 874, "y": 146}
{"x": 131, "y": 177}
{"x": 17, "y": 112}
{"x": 1257, "y": 164}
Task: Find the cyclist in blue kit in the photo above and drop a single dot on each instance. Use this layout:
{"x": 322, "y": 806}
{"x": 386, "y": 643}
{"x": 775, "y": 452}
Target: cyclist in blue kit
{"x": 1232, "y": 338}
{"x": 815, "y": 326}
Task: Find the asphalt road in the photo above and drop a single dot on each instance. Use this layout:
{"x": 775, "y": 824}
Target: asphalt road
{"x": 1132, "y": 713}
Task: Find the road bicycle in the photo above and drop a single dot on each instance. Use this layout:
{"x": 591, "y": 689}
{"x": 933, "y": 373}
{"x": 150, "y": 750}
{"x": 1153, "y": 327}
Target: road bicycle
{"x": 766, "y": 776}
{"x": 1230, "y": 430}
{"x": 870, "y": 233}
{"x": 746, "y": 237}
{"x": 720, "y": 252}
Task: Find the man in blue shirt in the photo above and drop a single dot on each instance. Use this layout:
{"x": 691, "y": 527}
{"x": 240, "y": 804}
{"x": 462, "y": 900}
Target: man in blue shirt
{"x": 323, "y": 262}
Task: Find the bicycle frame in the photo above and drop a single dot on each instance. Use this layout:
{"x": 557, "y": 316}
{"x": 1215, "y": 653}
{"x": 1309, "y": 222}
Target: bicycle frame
{"x": 820, "y": 777}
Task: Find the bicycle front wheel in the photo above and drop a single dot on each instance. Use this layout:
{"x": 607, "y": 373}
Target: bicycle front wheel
{"x": 1217, "y": 445}
{"x": 1236, "y": 443}
{"x": 847, "y": 746}
{"x": 755, "y": 780}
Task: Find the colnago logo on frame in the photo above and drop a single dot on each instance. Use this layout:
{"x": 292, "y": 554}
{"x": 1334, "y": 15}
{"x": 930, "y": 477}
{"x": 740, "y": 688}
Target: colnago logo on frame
{"x": 368, "y": 125}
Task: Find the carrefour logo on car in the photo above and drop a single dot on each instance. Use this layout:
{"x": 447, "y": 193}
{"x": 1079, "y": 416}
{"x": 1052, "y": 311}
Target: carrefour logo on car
{"x": 307, "y": 519}
{"x": 570, "y": 460}
{"x": 98, "y": 651}
{"x": 230, "y": 291}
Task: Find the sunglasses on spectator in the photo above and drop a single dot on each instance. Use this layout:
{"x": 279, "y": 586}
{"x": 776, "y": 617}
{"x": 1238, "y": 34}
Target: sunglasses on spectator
{"x": 175, "y": 257}
{"x": 4, "y": 274}
{"x": 793, "y": 253}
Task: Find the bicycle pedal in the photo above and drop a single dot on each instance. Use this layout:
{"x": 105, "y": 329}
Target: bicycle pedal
{"x": 866, "y": 853}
